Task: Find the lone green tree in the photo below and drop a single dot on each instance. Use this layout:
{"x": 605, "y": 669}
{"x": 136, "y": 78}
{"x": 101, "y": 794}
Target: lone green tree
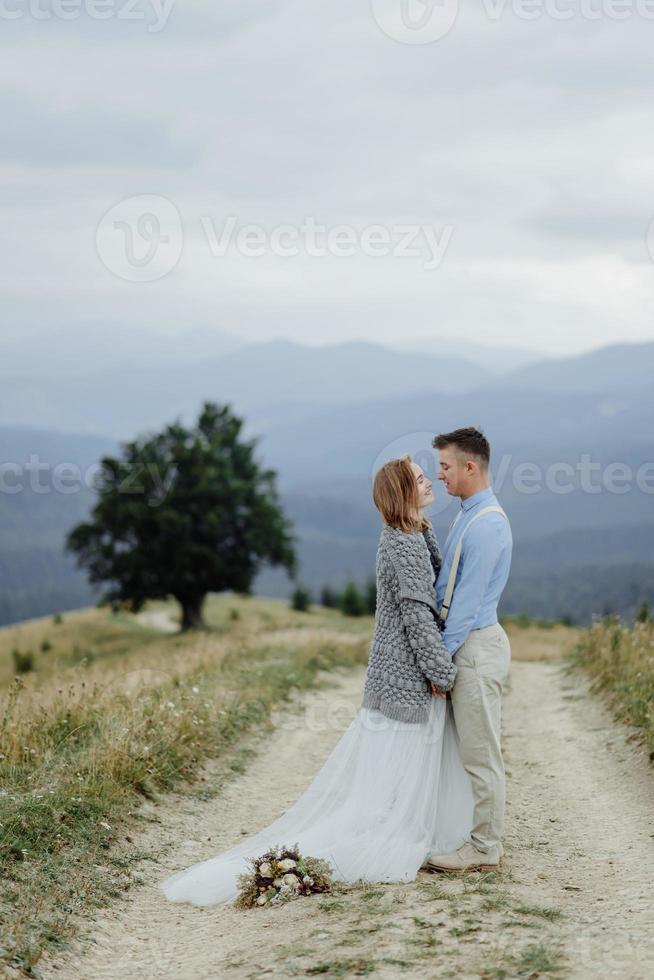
{"x": 183, "y": 512}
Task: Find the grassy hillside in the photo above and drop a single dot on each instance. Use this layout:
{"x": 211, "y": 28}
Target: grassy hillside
{"x": 113, "y": 711}
{"x": 620, "y": 661}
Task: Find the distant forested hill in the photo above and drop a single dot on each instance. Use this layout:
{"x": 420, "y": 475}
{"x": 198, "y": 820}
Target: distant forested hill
{"x": 40, "y": 499}
{"x": 326, "y": 420}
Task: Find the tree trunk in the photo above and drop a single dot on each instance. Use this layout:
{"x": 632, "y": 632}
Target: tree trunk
{"x": 192, "y": 612}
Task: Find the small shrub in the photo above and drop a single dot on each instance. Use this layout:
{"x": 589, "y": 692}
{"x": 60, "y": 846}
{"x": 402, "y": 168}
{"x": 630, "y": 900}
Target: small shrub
{"x": 57, "y": 619}
{"x": 300, "y": 599}
{"x": 45, "y": 646}
{"x": 328, "y": 598}
{"x": 234, "y": 615}
{"x": 23, "y": 662}
{"x": 643, "y": 614}
{"x": 352, "y": 603}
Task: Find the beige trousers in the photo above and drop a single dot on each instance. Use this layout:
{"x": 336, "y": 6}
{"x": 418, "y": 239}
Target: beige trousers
{"x": 483, "y": 666}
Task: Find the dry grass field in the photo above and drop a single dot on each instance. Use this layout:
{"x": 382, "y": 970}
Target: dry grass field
{"x": 129, "y": 750}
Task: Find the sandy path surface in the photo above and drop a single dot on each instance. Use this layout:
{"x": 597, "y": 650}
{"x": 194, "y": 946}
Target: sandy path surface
{"x": 579, "y": 816}
{"x": 573, "y": 894}
{"x": 158, "y": 619}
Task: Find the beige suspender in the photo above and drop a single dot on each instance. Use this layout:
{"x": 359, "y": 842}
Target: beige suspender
{"x": 447, "y": 598}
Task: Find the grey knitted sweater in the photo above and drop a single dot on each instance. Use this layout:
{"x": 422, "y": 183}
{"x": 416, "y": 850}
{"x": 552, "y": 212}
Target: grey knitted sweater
{"x": 407, "y": 647}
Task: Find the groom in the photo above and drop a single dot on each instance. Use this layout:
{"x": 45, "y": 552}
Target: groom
{"x": 476, "y": 641}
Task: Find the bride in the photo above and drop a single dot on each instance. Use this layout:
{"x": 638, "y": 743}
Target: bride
{"x": 393, "y": 790}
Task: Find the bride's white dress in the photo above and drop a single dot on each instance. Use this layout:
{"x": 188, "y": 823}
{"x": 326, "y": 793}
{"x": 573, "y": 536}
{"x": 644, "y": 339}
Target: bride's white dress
{"x": 389, "y": 794}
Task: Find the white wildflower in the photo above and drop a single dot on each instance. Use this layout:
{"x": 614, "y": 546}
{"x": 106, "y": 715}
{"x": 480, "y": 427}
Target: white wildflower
{"x": 265, "y": 870}
{"x": 282, "y": 895}
{"x": 287, "y": 864}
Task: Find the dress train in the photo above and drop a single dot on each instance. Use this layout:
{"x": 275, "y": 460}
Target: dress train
{"x": 389, "y": 794}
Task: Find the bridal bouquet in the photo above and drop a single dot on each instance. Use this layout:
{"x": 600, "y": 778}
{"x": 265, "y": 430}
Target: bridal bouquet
{"x": 280, "y": 875}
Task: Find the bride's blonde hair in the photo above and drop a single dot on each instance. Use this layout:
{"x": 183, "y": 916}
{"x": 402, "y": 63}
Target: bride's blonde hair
{"x": 396, "y": 497}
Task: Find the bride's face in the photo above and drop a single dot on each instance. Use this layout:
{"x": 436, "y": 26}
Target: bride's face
{"x": 425, "y": 495}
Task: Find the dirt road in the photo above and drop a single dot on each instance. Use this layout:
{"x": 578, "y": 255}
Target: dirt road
{"x": 573, "y": 897}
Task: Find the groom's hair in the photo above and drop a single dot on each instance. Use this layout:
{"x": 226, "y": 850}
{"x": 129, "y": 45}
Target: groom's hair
{"x": 468, "y": 441}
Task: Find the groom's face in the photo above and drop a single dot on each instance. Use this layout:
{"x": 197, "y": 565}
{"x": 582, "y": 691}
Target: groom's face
{"x": 449, "y": 470}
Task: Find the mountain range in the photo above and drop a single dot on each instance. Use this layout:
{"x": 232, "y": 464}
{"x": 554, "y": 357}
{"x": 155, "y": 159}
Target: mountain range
{"x": 258, "y": 380}
{"x": 562, "y": 432}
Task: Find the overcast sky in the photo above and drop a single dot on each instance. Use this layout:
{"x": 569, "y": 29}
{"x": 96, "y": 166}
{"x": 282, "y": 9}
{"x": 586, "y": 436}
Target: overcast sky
{"x": 514, "y": 156}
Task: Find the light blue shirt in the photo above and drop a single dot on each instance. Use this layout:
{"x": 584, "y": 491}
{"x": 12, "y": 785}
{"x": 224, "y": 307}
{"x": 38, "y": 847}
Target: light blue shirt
{"x": 482, "y": 573}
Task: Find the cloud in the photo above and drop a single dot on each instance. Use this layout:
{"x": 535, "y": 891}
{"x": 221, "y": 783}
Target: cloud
{"x": 530, "y": 138}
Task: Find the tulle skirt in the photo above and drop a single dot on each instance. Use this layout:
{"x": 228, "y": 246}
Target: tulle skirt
{"x": 389, "y": 794}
